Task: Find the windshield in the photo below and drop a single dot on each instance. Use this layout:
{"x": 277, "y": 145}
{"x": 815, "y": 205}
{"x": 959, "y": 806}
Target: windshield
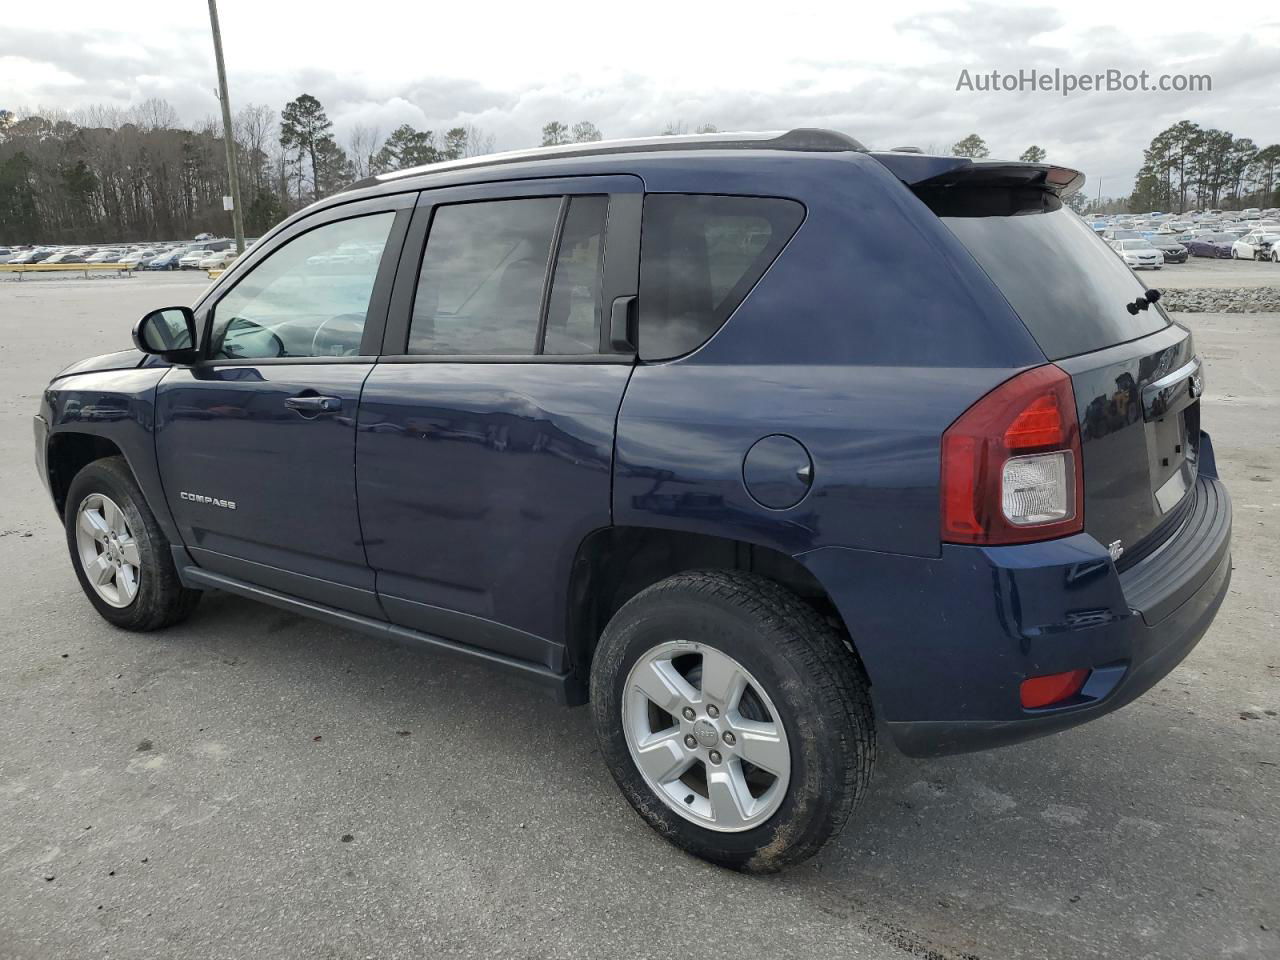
{"x": 1066, "y": 284}
{"x": 1135, "y": 244}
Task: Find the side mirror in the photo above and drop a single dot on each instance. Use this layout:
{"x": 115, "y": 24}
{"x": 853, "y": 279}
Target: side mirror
{"x": 169, "y": 333}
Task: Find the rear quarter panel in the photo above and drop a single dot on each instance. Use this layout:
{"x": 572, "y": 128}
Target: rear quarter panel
{"x": 869, "y": 334}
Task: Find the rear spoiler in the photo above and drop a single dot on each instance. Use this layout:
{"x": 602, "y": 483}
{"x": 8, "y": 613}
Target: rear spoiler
{"x": 916, "y": 169}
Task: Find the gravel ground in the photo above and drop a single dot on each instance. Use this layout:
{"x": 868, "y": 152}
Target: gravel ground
{"x": 251, "y": 782}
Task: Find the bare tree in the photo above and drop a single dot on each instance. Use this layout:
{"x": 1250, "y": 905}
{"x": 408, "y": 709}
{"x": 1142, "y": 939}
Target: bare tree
{"x": 155, "y": 114}
{"x": 362, "y": 144}
{"x": 478, "y": 142}
{"x": 255, "y": 129}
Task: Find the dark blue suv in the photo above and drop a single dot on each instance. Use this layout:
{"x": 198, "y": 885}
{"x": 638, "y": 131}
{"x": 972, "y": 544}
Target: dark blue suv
{"x": 755, "y": 442}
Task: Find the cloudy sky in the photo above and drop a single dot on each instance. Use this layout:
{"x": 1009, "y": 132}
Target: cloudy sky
{"x": 886, "y": 74}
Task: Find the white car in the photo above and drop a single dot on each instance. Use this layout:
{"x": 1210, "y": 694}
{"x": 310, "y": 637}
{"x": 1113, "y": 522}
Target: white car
{"x": 1257, "y": 245}
{"x": 105, "y": 256}
{"x": 217, "y": 260}
{"x": 1138, "y": 254}
{"x": 191, "y": 261}
{"x": 135, "y": 258}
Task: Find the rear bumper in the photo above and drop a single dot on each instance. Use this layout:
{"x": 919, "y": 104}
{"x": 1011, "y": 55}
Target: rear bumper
{"x": 947, "y": 642}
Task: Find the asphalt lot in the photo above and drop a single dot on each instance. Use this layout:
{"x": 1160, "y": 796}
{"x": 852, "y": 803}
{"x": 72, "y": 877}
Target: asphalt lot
{"x": 1203, "y": 272}
{"x": 251, "y": 782}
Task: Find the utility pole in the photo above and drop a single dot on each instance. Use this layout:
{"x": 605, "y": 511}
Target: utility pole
{"x": 237, "y": 217}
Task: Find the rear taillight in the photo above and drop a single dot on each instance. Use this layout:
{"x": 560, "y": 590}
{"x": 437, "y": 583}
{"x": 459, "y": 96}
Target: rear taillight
{"x": 1011, "y": 468}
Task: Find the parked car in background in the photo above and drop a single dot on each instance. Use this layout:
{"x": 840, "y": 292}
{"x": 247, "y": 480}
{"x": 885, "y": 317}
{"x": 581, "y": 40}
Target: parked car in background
{"x": 37, "y": 255}
{"x": 64, "y": 257}
{"x": 1138, "y": 254}
{"x": 1210, "y": 245}
{"x": 134, "y": 258}
{"x": 1254, "y": 246}
{"x": 1174, "y": 252}
{"x": 105, "y": 255}
{"x": 217, "y": 260}
{"x": 733, "y": 514}
{"x": 165, "y": 261}
{"x": 191, "y": 259}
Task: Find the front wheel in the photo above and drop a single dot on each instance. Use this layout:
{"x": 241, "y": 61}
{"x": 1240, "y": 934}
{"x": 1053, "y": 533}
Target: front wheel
{"x": 734, "y": 718}
{"x": 119, "y": 552}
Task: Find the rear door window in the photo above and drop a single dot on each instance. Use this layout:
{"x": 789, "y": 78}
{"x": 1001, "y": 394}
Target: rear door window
{"x": 699, "y": 258}
{"x": 1067, "y": 285}
{"x": 480, "y": 288}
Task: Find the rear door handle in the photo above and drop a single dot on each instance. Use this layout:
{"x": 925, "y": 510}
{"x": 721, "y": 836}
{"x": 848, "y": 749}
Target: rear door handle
{"x": 312, "y": 405}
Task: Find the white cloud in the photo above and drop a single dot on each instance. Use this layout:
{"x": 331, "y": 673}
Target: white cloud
{"x": 886, "y": 75}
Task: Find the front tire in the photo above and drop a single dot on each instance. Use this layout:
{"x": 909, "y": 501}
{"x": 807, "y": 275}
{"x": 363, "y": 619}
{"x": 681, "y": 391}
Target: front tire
{"x": 119, "y": 552}
{"x": 734, "y": 718}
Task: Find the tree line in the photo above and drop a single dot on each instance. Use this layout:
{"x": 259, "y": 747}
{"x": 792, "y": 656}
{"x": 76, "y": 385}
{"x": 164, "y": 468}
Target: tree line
{"x": 103, "y": 174}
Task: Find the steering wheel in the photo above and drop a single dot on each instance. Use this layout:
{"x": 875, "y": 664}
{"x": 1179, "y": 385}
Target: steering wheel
{"x": 348, "y": 348}
{"x": 238, "y": 326}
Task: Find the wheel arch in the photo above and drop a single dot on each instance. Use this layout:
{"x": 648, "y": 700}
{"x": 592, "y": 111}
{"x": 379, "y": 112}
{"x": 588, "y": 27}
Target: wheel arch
{"x": 613, "y": 564}
{"x": 68, "y": 453}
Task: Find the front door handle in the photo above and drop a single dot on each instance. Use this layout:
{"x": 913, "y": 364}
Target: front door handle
{"x": 311, "y": 405}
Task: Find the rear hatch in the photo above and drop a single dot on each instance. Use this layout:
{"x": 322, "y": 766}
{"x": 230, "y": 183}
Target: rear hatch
{"x": 1135, "y": 376}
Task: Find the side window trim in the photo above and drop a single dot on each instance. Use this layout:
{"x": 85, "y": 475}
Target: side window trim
{"x": 402, "y": 205}
{"x": 623, "y": 190}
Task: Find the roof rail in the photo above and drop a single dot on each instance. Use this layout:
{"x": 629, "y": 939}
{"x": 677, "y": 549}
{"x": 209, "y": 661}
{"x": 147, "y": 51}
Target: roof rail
{"x": 804, "y": 139}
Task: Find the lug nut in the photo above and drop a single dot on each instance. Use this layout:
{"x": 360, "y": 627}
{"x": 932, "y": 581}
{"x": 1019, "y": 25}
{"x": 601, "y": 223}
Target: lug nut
{"x": 730, "y": 739}
{"x": 690, "y": 742}
{"x": 688, "y": 713}
{"x": 712, "y": 711}
{"x": 714, "y": 756}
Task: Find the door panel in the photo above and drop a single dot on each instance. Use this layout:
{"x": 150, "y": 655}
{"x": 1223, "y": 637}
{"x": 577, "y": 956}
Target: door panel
{"x": 256, "y": 442}
{"x": 477, "y": 482}
{"x": 227, "y": 433}
{"x": 479, "y": 476}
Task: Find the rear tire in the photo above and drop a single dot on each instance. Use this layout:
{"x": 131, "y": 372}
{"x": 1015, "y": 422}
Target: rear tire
{"x": 119, "y": 552}
{"x": 747, "y": 670}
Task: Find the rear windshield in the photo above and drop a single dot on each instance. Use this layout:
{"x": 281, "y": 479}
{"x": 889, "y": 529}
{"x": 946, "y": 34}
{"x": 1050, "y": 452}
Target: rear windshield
{"x": 1066, "y": 284}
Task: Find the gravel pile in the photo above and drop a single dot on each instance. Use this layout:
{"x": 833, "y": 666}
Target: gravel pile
{"x": 1223, "y": 300}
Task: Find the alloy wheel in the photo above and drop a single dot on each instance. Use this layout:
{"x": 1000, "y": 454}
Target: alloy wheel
{"x": 705, "y": 736}
{"x": 108, "y": 550}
